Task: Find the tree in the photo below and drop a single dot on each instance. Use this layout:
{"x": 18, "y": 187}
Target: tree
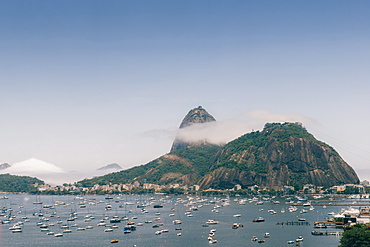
{"x": 357, "y": 236}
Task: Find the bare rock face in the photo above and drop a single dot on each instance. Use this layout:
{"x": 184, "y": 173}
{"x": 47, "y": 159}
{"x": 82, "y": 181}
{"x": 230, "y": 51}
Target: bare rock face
{"x": 282, "y": 154}
{"x": 195, "y": 116}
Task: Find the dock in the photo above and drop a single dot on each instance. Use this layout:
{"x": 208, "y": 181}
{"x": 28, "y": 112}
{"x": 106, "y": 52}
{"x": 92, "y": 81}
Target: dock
{"x": 336, "y": 203}
{"x": 294, "y": 223}
{"x": 324, "y": 224}
{"x": 327, "y": 233}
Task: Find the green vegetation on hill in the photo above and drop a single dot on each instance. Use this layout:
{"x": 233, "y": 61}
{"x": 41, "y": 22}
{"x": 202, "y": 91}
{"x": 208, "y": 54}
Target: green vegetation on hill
{"x": 13, "y": 183}
{"x": 281, "y": 154}
{"x": 200, "y": 157}
{"x": 192, "y": 161}
{"x": 254, "y": 144}
{"x": 283, "y": 131}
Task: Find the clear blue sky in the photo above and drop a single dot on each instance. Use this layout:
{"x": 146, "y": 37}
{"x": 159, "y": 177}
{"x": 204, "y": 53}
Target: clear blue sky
{"x": 88, "y": 83}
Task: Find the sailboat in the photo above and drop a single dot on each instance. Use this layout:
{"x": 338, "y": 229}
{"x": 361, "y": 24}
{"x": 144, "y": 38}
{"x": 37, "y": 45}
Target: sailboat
{"x": 37, "y": 201}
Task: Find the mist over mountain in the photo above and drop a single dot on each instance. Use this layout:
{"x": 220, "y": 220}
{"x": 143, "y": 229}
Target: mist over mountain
{"x": 195, "y": 118}
{"x": 36, "y": 168}
{"x": 53, "y": 174}
{"x": 281, "y": 154}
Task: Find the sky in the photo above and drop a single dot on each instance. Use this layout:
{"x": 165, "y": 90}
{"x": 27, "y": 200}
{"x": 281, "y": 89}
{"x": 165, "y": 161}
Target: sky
{"x": 87, "y": 83}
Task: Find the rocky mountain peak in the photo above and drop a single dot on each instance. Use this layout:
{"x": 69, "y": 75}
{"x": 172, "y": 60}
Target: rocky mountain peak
{"x": 195, "y": 116}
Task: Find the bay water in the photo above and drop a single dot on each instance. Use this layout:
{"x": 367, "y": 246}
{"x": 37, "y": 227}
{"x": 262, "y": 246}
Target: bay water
{"x": 89, "y": 210}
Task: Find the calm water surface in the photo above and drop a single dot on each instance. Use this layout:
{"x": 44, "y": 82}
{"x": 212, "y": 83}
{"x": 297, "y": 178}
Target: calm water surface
{"x": 193, "y": 233}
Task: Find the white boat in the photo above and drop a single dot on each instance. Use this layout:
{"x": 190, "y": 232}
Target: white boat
{"x": 271, "y": 211}
{"x": 212, "y": 222}
{"x": 101, "y": 223}
{"x": 237, "y": 215}
{"x": 299, "y": 239}
{"x": 58, "y": 235}
{"x": 212, "y": 241}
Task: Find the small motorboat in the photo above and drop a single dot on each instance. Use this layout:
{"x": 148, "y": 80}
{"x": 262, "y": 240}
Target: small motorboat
{"x": 259, "y": 219}
{"x": 212, "y": 241}
{"x": 299, "y": 239}
{"x": 114, "y": 241}
{"x": 212, "y": 222}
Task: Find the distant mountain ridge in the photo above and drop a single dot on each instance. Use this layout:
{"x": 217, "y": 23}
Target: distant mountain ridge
{"x": 4, "y": 166}
{"x": 113, "y": 166}
{"x": 281, "y": 154}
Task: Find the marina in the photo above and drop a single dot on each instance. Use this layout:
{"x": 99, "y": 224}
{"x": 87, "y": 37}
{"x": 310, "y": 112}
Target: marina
{"x": 128, "y": 220}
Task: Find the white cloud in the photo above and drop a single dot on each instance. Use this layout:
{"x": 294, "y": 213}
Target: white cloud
{"x": 49, "y": 173}
{"x": 33, "y": 167}
{"x": 225, "y": 131}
